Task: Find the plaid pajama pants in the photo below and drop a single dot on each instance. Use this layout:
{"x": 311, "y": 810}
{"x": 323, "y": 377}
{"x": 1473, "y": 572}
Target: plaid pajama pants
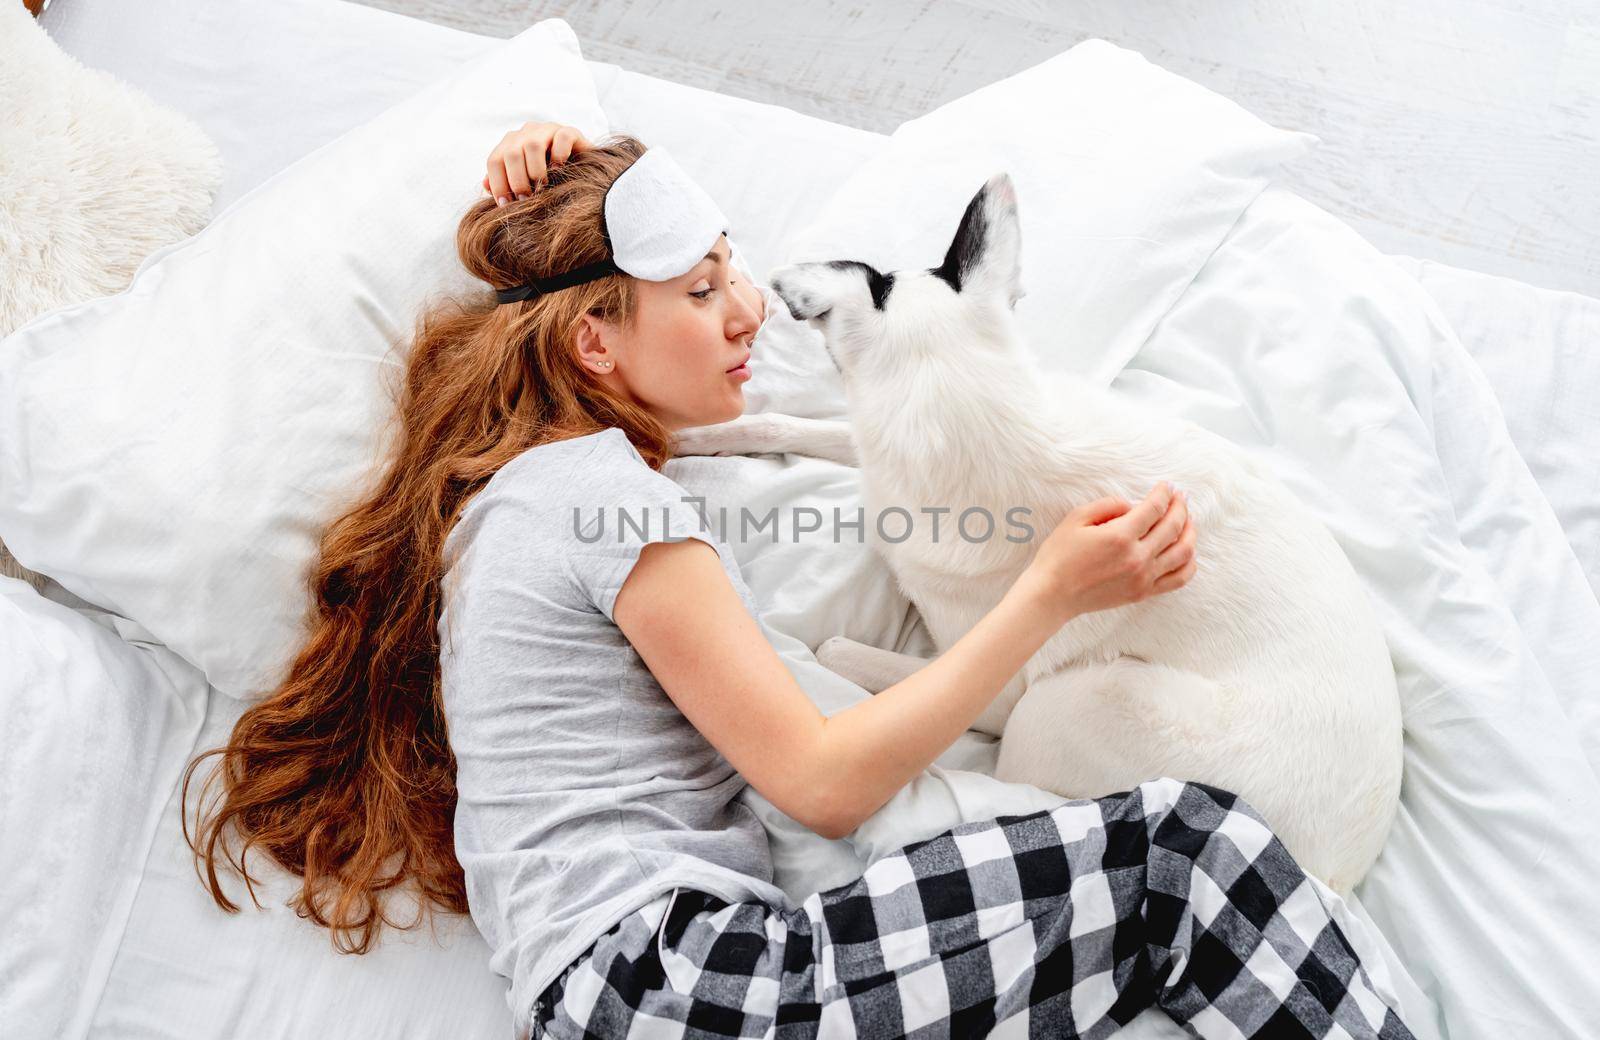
{"x": 1065, "y": 922}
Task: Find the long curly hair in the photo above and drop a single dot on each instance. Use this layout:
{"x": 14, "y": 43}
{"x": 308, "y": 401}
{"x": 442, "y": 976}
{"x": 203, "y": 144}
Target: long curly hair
{"x": 344, "y": 773}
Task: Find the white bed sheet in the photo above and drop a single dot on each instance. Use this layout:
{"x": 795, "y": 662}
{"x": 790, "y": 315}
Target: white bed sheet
{"x": 89, "y": 719}
{"x": 164, "y": 980}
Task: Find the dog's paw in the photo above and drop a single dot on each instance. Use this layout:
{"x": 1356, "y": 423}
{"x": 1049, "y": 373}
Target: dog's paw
{"x": 718, "y": 439}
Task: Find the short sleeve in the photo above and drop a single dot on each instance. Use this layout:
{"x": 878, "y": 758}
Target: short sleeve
{"x": 612, "y": 520}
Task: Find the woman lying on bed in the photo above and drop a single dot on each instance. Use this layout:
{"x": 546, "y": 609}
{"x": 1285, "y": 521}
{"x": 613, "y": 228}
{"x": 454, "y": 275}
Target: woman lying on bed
{"x": 546, "y": 718}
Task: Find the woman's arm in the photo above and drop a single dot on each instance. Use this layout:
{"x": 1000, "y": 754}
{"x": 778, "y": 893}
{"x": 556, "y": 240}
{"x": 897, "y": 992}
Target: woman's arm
{"x": 689, "y": 626}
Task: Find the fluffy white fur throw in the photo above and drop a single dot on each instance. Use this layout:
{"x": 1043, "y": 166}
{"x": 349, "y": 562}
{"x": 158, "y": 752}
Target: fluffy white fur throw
{"x": 94, "y": 176}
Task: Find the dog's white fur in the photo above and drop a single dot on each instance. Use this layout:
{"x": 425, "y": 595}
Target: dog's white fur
{"x": 1267, "y": 674}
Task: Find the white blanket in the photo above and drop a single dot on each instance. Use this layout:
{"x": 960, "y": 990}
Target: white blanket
{"x": 1538, "y": 349}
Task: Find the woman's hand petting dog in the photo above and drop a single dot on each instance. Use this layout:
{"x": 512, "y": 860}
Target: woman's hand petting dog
{"x": 519, "y": 164}
{"x": 1108, "y": 553}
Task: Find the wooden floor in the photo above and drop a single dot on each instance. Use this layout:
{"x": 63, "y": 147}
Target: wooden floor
{"x": 1465, "y": 131}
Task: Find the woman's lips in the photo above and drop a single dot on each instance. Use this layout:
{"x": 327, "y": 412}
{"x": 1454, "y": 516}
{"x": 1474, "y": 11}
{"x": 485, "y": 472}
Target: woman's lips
{"x": 742, "y": 372}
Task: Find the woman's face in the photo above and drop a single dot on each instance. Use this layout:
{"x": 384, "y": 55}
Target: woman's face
{"x": 683, "y": 358}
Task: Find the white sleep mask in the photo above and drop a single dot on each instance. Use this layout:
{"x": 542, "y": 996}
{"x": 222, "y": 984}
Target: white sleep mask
{"x": 658, "y": 222}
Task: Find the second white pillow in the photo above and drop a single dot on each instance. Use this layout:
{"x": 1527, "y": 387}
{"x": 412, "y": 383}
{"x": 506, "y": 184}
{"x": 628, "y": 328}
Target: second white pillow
{"x": 1127, "y": 176}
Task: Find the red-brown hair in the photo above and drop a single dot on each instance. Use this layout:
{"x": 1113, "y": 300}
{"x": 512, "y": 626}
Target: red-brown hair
{"x": 344, "y": 773}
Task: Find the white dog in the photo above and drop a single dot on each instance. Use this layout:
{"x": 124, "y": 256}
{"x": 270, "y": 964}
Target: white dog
{"x": 1267, "y": 674}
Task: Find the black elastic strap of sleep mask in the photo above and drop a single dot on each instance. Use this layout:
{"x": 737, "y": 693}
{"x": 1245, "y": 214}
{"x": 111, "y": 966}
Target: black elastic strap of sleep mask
{"x": 540, "y": 286}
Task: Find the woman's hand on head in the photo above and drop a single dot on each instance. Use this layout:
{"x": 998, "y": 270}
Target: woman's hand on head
{"x": 1107, "y": 553}
{"x": 521, "y": 161}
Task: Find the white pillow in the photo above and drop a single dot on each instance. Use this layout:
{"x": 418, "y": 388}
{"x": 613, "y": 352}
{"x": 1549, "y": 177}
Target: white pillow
{"x": 172, "y": 452}
{"x": 95, "y": 732}
{"x": 1127, "y": 176}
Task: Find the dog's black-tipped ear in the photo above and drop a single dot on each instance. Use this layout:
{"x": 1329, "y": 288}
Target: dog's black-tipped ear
{"x": 811, "y": 290}
{"x": 801, "y": 291}
{"x": 986, "y": 252}
{"x": 878, "y": 283}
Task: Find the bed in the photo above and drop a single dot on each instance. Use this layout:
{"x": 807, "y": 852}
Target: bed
{"x": 1482, "y": 912}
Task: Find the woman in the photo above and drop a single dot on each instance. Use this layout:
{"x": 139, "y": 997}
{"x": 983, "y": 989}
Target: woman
{"x": 548, "y": 726}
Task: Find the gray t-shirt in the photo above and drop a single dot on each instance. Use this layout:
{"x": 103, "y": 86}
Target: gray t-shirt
{"x": 583, "y": 791}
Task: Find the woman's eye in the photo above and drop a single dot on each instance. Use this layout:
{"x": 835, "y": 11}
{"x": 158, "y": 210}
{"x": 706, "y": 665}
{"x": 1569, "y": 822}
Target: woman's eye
{"x": 703, "y": 293}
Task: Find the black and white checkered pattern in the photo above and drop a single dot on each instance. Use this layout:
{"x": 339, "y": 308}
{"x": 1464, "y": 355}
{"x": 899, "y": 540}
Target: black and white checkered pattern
{"x": 1065, "y": 922}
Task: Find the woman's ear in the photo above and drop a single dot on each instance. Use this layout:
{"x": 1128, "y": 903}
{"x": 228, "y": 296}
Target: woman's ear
{"x": 593, "y": 339}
